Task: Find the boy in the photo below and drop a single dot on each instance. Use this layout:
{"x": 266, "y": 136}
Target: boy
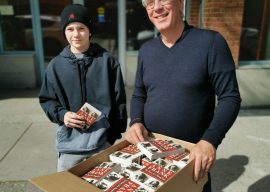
{"x": 82, "y": 72}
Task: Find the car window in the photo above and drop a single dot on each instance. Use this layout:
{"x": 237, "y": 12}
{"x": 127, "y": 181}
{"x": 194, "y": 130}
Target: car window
{"x": 46, "y": 23}
{"x": 27, "y": 23}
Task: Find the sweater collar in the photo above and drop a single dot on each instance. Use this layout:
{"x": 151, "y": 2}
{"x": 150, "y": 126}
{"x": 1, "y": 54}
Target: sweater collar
{"x": 93, "y": 50}
{"x": 187, "y": 28}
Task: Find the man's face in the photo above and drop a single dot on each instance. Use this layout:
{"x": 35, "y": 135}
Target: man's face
{"x": 165, "y": 16}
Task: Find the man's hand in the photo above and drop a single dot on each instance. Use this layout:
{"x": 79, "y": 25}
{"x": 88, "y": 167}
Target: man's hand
{"x": 72, "y": 120}
{"x": 136, "y": 133}
{"x": 204, "y": 154}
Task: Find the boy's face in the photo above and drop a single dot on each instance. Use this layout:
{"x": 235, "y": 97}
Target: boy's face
{"x": 77, "y": 35}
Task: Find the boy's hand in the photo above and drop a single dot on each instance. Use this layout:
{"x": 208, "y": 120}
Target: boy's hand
{"x": 72, "y": 120}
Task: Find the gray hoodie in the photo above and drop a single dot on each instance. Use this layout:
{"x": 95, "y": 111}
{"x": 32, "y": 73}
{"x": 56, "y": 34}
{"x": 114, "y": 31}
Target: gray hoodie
{"x": 70, "y": 82}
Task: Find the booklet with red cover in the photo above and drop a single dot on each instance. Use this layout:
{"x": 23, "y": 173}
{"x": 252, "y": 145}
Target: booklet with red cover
{"x": 127, "y": 155}
{"x": 123, "y": 185}
{"x": 89, "y": 113}
{"x": 182, "y": 162}
{"x": 177, "y": 156}
{"x": 158, "y": 148}
{"x": 101, "y": 171}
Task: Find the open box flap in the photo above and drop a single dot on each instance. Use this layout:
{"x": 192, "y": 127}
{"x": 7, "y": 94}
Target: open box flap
{"x": 62, "y": 182}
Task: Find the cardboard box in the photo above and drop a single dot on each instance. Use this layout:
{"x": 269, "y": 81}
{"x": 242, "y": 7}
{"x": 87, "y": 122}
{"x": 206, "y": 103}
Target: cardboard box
{"x": 70, "y": 181}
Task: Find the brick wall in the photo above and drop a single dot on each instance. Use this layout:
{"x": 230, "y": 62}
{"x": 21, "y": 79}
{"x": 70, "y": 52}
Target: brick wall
{"x": 194, "y": 13}
{"x": 222, "y": 16}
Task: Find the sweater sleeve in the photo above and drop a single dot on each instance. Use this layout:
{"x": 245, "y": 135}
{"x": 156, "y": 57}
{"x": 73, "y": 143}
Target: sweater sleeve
{"x": 221, "y": 69}
{"x": 139, "y": 96}
{"x": 50, "y": 102}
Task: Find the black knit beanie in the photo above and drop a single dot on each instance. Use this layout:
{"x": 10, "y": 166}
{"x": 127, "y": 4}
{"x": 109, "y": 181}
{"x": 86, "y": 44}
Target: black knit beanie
{"x": 75, "y": 13}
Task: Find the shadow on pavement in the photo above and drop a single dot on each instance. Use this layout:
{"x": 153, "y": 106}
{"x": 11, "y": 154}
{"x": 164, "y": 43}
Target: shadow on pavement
{"x": 261, "y": 185}
{"x": 226, "y": 171}
{"x": 18, "y": 186}
{"x": 258, "y": 111}
{"x": 19, "y": 93}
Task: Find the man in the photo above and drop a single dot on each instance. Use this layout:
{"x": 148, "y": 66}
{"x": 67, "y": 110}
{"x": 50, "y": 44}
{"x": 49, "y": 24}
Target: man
{"x": 82, "y": 72}
{"x": 179, "y": 74}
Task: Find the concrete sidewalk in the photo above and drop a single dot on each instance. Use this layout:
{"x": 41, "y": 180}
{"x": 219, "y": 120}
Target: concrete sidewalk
{"x": 27, "y": 147}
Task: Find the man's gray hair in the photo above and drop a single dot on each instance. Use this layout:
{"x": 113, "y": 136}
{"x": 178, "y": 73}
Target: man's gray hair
{"x": 143, "y": 2}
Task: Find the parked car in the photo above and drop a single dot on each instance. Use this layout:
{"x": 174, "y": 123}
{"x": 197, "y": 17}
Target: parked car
{"x": 53, "y": 39}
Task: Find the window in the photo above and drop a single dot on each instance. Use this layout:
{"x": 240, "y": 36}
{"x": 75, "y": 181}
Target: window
{"x": 17, "y": 29}
{"x": 104, "y": 16}
{"x": 139, "y": 27}
{"x": 255, "y": 37}
{"x": 13, "y": 28}
{"x": 52, "y": 36}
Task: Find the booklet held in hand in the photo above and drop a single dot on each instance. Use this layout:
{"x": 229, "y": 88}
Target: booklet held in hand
{"x": 90, "y": 114}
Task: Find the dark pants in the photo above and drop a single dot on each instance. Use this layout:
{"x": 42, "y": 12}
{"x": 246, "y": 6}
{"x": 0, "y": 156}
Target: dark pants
{"x": 207, "y": 186}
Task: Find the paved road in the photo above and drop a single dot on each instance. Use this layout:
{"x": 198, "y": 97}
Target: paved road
{"x": 27, "y": 147}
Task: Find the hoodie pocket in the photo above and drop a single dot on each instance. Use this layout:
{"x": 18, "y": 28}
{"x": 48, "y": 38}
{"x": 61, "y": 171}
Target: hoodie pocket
{"x": 96, "y": 135}
{"x": 62, "y": 133}
{"x": 78, "y": 140}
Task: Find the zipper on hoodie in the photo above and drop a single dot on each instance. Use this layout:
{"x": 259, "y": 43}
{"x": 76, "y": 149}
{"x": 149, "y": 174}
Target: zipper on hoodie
{"x": 82, "y": 73}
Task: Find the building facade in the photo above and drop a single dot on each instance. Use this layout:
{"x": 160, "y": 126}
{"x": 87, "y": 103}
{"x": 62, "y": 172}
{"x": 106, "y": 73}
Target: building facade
{"x": 30, "y": 36}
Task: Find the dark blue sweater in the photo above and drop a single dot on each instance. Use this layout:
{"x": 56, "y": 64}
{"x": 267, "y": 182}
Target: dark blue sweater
{"x": 175, "y": 87}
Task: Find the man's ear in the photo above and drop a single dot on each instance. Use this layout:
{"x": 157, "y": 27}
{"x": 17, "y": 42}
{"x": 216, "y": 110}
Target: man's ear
{"x": 181, "y": 6}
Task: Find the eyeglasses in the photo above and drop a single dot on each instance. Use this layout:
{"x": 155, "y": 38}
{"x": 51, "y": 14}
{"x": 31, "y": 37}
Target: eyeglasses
{"x": 149, "y": 4}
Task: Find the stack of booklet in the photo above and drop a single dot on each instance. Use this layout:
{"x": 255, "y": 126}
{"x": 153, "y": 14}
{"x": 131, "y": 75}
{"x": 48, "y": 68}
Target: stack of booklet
{"x": 158, "y": 148}
{"x": 101, "y": 171}
{"x": 115, "y": 182}
{"x": 139, "y": 168}
{"x": 127, "y": 155}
